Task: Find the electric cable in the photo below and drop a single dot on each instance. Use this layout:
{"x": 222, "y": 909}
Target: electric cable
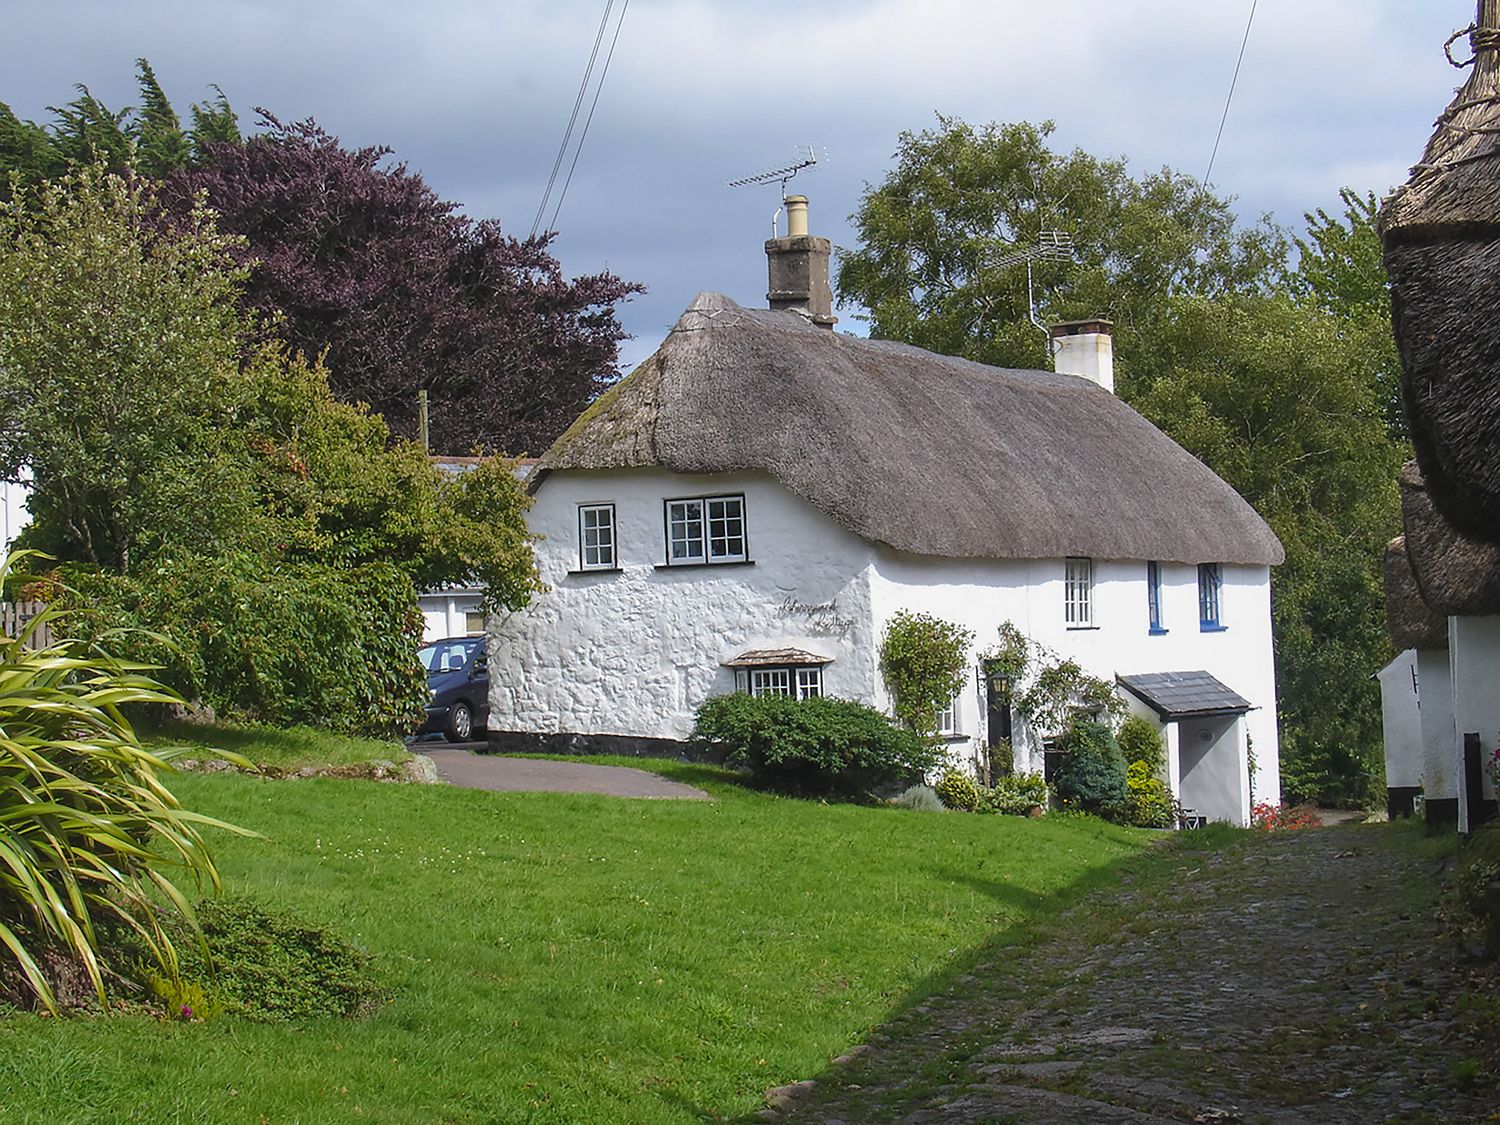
{"x": 583, "y": 136}
{"x": 1232, "y": 83}
{"x": 562, "y": 149}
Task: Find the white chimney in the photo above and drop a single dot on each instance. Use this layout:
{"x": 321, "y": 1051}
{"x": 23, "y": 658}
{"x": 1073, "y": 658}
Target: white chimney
{"x": 1086, "y": 348}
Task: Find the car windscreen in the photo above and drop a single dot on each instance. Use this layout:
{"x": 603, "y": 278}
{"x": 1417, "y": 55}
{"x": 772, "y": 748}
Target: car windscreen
{"x": 445, "y": 656}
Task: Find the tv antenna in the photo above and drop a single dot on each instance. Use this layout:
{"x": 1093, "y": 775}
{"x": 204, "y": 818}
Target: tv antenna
{"x": 1050, "y": 246}
{"x": 806, "y": 157}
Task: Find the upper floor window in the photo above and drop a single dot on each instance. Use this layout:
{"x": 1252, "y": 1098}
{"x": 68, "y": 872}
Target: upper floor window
{"x": 1078, "y": 594}
{"x": 1153, "y": 596}
{"x": 596, "y": 536}
{"x": 1210, "y": 596}
{"x": 709, "y": 529}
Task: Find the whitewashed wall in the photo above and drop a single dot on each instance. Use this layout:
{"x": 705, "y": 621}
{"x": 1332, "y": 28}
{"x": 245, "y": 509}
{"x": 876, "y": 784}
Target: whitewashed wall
{"x": 1440, "y": 746}
{"x": 1029, "y": 593}
{"x": 635, "y": 652}
{"x": 1474, "y": 654}
{"x": 1401, "y": 721}
{"x": 13, "y": 513}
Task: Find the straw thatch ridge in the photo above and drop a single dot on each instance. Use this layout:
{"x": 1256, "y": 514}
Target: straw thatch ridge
{"x": 1441, "y": 233}
{"x": 924, "y": 453}
{"x": 1409, "y": 620}
{"x": 1455, "y": 574}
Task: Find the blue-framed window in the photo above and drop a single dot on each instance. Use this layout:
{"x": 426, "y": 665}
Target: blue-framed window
{"x": 1210, "y": 597}
{"x": 1153, "y": 596}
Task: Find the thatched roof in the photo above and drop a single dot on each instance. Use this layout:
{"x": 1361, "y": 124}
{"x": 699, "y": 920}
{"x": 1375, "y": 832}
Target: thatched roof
{"x": 1455, "y": 574}
{"x": 1409, "y": 620}
{"x": 924, "y": 453}
{"x": 1441, "y": 232}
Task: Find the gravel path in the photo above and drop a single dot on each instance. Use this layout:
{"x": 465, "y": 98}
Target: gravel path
{"x": 1290, "y": 978}
{"x": 468, "y": 770}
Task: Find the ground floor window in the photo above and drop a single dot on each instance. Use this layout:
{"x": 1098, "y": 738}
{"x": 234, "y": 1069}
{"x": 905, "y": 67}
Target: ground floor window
{"x": 800, "y": 683}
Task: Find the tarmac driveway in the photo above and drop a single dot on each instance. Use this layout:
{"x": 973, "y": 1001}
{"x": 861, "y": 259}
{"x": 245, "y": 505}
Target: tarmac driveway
{"x": 468, "y": 770}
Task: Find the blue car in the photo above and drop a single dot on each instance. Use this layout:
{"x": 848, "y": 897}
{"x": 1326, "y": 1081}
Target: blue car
{"x": 458, "y": 687}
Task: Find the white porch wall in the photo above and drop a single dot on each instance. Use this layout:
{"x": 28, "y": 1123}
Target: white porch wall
{"x": 982, "y": 594}
{"x": 1215, "y": 782}
{"x": 1474, "y": 655}
{"x": 1441, "y": 750}
{"x": 1401, "y": 721}
{"x": 635, "y": 652}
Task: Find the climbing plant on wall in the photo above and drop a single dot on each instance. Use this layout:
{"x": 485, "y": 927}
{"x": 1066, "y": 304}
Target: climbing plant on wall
{"x": 924, "y": 660}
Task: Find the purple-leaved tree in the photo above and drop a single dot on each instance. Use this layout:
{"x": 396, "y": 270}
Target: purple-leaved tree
{"x": 364, "y": 262}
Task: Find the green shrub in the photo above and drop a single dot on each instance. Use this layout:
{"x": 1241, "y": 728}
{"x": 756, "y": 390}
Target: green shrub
{"x": 1141, "y": 742}
{"x": 1148, "y": 801}
{"x": 266, "y": 964}
{"x": 330, "y": 648}
{"x": 1016, "y": 794}
{"x": 957, "y": 790}
{"x": 1471, "y": 900}
{"x": 815, "y": 746}
{"x": 89, "y": 835}
{"x": 1002, "y": 758}
{"x": 1092, "y": 773}
{"x": 919, "y": 798}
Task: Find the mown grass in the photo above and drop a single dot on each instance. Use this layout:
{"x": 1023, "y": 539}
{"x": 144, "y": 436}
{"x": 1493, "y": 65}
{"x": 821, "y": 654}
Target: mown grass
{"x": 569, "y": 958}
{"x": 283, "y": 747}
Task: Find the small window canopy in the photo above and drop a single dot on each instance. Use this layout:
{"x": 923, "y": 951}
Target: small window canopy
{"x": 776, "y": 657}
{"x": 1184, "y": 695}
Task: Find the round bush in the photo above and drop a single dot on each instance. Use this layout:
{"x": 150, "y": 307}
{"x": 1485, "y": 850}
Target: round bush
{"x": 1148, "y": 801}
{"x": 816, "y": 746}
{"x": 957, "y": 790}
{"x": 1141, "y": 742}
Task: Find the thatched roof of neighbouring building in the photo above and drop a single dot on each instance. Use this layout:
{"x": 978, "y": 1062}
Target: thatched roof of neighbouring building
{"x": 924, "y": 453}
{"x": 1454, "y": 573}
{"x": 1410, "y": 622}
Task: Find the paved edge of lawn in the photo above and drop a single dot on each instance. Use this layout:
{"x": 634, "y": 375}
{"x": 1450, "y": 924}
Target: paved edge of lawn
{"x": 499, "y": 774}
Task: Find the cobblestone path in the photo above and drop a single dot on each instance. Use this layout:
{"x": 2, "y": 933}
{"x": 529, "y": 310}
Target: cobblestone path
{"x": 1295, "y": 977}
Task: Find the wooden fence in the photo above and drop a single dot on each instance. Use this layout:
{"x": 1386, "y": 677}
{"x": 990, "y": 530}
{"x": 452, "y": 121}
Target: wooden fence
{"x": 15, "y": 615}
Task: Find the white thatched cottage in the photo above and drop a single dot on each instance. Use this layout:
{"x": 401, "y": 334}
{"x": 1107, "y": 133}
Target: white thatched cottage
{"x": 749, "y": 507}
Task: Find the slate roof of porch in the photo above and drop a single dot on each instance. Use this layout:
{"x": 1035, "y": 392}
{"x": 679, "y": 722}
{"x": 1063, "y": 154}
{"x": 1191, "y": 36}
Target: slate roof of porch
{"x": 1185, "y": 695}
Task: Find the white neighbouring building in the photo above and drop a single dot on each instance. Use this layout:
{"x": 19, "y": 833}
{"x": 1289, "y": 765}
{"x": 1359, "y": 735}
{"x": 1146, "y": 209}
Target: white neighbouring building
{"x": 750, "y": 506}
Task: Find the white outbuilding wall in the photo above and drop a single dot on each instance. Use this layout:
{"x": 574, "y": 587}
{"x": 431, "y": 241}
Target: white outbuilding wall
{"x": 1401, "y": 721}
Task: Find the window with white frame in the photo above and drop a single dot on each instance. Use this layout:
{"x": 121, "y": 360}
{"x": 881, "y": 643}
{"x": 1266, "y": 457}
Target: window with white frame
{"x": 708, "y": 529}
{"x": 947, "y": 719}
{"x": 1210, "y": 597}
{"x": 1153, "y": 597}
{"x": 596, "y": 536}
{"x": 1078, "y": 593}
{"x": 798, "y": 681}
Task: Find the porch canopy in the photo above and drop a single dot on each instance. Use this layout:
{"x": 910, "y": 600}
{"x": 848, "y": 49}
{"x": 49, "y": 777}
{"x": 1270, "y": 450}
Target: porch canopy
{"x": 1184, "y": 695}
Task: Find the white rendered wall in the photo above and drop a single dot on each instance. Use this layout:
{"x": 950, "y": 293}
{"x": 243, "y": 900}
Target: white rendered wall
{"x": 1401, "y": 721}
{"x": 1215, "y": 780}
{"x": 635, "y": 652}
{"x": 1474, "y": 653}
{"x": 1440, "y": 760}
{"x": 13, "y": 513}
{"x": 982, "y": 594}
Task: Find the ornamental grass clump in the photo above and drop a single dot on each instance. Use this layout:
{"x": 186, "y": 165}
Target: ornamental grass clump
{"x": 91, "y": 841}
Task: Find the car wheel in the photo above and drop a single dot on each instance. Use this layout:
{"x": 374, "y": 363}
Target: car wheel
{"x": 460, "y": 723}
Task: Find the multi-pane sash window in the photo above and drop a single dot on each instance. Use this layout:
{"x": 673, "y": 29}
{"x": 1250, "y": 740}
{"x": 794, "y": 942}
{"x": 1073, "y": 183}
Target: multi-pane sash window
{"x": 596, "y": 536}
{"x": 770, "y": 681}
{"x": 1078, "y": 593}
{"x": 1153, "y": 595}
{"x": 809, "y": 683}
{"x": 1210, "y": 588}
{"x": 947, "y": 718}
{"x": 711, "y": 529}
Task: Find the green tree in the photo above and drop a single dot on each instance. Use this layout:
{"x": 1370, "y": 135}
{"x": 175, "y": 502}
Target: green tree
{"x": 170, "y": 444}
{"x": 937, "y": 266}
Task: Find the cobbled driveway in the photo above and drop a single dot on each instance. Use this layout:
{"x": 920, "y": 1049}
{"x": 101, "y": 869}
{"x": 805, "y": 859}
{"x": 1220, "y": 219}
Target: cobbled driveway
{"x": 1290, "y": 978}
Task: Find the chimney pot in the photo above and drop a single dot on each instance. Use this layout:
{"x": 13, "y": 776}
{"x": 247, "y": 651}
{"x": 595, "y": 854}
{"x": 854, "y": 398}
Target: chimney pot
{"x": 1085, "y": 348}
{"x": 798, "y": 267}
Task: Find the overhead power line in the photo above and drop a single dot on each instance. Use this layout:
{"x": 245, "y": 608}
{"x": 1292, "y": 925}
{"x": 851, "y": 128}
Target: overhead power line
{"x": 583, "y": 87}
{"x": 1207, "y": 182}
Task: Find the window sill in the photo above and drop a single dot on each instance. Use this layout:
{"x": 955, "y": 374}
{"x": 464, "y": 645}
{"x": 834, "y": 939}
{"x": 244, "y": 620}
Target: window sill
{"x": 584, "y": 572}
{"x": 1083, "y": 628}
{"x": 1157, "y": 632}
{"x": 701, "y": 565}
{"x": 954, "y": 736}
{"x": 1209, "y": 627}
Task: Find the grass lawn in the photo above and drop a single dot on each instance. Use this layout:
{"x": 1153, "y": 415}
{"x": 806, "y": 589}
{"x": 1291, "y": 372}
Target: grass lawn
{"x": 284, "y": 747}
{"x": 562, "y": 958}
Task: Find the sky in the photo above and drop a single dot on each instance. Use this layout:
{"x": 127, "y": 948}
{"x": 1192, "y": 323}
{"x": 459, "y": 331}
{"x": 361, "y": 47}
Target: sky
{"x": 476, "y": 95}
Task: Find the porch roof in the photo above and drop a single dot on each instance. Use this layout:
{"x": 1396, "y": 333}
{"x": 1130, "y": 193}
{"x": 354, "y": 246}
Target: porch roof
{"x": 775, "y": 657}
{"x": 1184, "y": 695}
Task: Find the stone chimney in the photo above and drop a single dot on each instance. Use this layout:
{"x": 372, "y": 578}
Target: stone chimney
{"x": 1086, "y": 348}
{"x": 799, "y": 268}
